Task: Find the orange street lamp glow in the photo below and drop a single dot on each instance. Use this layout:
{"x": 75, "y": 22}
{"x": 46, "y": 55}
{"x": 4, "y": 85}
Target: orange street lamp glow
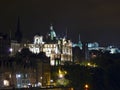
{"x": 86, "y": 86}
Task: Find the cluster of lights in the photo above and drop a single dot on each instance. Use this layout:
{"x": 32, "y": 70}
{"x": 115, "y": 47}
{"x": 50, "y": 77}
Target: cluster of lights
{"x": 61, "y": 74}
{"x": 88, "y": 64}
{"x": 91, "y": 65}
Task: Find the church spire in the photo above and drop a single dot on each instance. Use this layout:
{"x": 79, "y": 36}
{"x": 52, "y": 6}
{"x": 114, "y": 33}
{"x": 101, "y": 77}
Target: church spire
{"x": 79, "y": 38}
{"x": 18, "y": 33}
{"x": 10, "y": 34}
{"x": 66, "y": 33}
{"x": 79, "y": 42}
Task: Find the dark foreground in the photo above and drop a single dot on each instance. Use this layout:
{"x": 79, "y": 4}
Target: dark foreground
{"x": 37, "y": 88}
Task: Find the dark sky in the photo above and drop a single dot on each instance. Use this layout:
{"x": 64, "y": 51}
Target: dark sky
{"x": 95, "y": 20}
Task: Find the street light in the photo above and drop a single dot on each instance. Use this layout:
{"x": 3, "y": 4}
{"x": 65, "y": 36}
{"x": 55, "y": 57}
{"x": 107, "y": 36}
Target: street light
{"x": 62, "y": 81}
{"x": 61, "y": 74}
{"x": 86, "y": 86}
{"x": 11, "y": 51}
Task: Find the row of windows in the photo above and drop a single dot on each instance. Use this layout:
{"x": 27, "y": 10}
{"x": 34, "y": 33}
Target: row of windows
{"x": 50, "y": 45}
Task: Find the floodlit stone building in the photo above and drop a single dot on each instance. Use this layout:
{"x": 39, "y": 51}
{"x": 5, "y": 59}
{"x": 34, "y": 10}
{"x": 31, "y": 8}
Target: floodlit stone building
{"x": 58, "y": 49}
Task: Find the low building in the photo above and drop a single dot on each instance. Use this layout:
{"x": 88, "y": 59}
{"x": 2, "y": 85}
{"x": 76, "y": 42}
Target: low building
{"x": 23, "y": 71}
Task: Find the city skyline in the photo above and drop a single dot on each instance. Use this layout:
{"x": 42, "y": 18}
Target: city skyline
{"x": 95, "y": 21}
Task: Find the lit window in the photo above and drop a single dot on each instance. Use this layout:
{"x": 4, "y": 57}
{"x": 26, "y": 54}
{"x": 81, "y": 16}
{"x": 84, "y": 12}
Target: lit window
{"x": 6, "y": 83}
{"x": 52, "y": 62}
{"x": 10, "y": 49}
{"x": 18, "y": 75}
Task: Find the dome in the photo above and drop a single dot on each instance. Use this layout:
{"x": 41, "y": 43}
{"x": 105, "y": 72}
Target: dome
{"x": 52, "y": 33}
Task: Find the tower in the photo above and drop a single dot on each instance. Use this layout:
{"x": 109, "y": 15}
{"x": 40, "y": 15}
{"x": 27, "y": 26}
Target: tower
{"x": 79, "y": 39}
{"x": 52, "y": 33}
{"x": 18, "y": 33}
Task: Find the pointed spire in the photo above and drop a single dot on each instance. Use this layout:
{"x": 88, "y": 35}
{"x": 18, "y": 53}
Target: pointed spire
{"x": 18, "y": 34}
{"x": 80, "y": 43}
{"x": 66, "y": 33}
{"x": 79, "y": 38}
{"x": 18, "y": 24}
{"x": 10, "y": 34}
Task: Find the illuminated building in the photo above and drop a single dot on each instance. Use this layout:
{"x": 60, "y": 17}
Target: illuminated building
{"x": 58, "y": 49}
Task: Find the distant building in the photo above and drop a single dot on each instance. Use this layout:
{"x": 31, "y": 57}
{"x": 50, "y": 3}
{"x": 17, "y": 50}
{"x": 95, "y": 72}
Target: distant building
{"x": 112, "y": 49}
{"x": 79, "y": 44}
{"x": 58, "y": 49}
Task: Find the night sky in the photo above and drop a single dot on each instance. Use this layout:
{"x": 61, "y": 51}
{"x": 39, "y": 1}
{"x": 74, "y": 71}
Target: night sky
{"x": 95, "y": 20}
